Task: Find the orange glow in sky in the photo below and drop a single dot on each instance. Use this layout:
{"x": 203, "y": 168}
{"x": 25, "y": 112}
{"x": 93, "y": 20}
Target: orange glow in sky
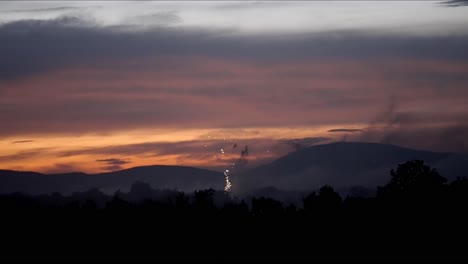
{"x": 60, "y": 153}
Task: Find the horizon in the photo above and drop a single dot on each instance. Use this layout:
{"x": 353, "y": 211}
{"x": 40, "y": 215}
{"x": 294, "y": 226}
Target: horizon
{"x": 102, "y": 86}
{"x": 222, "y": 169}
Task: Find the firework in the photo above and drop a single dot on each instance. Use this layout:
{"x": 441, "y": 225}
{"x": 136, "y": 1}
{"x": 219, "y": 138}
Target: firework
{"x": 227, "y": 188}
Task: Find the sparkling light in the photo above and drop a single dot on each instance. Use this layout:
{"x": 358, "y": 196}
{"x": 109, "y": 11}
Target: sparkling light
{"x": 227, "y": 188}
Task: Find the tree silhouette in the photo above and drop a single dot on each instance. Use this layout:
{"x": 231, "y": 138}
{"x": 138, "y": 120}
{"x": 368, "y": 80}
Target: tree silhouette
{"x": 118, "y": 204}
{"x": 203, "y": 201}
{"x": 458, "y": 191}
{"x": 413, "y": 181}
{"x": 181, "y": 201}
{"x": 235, "y": 210}
{"x": 89, "y": 205}
{"x": 310, "y": 202}
{"x": 370, "y": 223}
{"x": 328, "y": 198}
{"x": 266, "y": 207}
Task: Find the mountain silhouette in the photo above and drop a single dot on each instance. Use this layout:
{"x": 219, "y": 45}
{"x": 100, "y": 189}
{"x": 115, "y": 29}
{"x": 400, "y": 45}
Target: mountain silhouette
{"x": 158, "y": 176}
{"x": 349, "y": 167}
{"x": 343, "y": 165}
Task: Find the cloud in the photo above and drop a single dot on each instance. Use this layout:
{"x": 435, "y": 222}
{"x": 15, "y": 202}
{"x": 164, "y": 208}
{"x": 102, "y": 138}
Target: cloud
{"x": 113, "y": 161}
{"x": 455, "y": 3}
{"x": 341, "y": 130}
{"x": 106, "y": 79}
{"x": 113, "y": 164}
{"x": 22, "y": 141}
{"x": 194, "y": 92}
{"x": 23, "y": 155}
{"x": 454, "y": 138}
{"x": 210, "y": 146}
{"x": 204, "y": 153}
{"x": 48, "y": 9}
{"x": 162, "y": 18}
{"x": 69, "y": 41}
{"x": 243, "y": 5}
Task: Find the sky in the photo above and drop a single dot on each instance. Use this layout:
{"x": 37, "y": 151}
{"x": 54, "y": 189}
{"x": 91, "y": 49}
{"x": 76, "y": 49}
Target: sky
{"x": 101, "y": 86}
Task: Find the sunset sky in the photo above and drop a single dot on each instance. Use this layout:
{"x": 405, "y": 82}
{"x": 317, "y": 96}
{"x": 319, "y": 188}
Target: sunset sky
{"x": 101, "y": 86}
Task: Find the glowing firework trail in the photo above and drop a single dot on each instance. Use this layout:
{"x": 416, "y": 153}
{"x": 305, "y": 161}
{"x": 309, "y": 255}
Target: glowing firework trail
{"x": 228, "y": 186}
{"x": 242, "y": 161}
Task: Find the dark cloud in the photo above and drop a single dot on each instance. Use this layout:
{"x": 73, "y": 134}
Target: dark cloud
{"x": 113, "y": 164}
{"x": 65, "y": 41}
{"x": 113, "y": 161}
{"x": 22, "y": 141}
{"x": 340, "y": 130}
{"x": 49, "y": 9}
{"x": 455, "y": 3}
{"x": 112, "y": 168}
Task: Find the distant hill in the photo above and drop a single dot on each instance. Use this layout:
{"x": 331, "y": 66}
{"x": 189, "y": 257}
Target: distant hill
{"x": 343, "y": 165}
{"x": 171, "y": 177}
{"x": 351, "y": 168}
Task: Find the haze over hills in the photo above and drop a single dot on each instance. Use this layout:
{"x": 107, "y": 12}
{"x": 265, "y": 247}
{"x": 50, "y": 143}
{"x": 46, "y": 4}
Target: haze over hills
{"x": 343, "y": 165}
{"x": 170, "y": 177}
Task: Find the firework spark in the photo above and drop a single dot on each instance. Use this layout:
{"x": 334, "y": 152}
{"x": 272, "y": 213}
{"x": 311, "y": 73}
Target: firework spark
{"x": 228, "y": 186}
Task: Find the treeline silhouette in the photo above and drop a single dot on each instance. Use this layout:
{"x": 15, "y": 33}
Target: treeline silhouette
{"x": 417, "y": 214}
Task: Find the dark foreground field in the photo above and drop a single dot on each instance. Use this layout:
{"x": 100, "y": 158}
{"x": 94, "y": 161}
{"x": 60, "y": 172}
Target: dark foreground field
{"x": 412, "y": 218}
{"x": 142, "y": 235}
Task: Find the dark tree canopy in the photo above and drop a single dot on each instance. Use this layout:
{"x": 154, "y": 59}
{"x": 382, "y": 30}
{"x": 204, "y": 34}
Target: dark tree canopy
{"x": 413, "y": 179}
